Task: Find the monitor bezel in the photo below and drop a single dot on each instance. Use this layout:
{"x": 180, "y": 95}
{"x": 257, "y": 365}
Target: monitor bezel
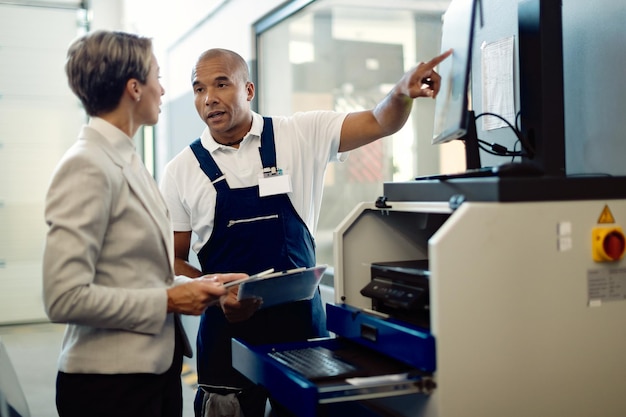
{"x": 455, "y": 121}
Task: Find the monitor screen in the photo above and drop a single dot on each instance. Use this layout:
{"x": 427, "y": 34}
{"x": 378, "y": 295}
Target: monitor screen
{"x": 451, "y": 108}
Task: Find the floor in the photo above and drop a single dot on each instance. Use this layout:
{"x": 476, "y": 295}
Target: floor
{"x": 33, "y": 350}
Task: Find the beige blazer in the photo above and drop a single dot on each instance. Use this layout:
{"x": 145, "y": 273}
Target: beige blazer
{"x": 108, "y": 260}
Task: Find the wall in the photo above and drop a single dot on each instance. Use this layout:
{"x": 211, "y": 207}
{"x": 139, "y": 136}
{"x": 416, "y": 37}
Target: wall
{"x": 106, "y": 14}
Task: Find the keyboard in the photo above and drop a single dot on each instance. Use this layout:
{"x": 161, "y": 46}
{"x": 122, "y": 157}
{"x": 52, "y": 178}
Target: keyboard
{"x": 470, "y": 173}
{"x": 315, "y": 362}
{"x": 507, "y": 169}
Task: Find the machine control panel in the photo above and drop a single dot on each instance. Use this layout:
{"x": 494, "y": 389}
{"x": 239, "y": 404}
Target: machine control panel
{"x": 393, "y": 293}
{"x": 401, "y": 290}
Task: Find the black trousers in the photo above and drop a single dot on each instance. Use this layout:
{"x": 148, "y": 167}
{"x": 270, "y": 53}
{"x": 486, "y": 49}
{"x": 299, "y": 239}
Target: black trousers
{"x": 122, "y": 395}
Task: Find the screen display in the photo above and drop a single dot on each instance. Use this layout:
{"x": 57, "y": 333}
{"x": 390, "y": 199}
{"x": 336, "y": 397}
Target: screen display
{"x": 451, "y": 109}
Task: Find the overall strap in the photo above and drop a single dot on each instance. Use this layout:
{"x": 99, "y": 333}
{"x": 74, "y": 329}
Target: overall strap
{"x": 268, "y": 147}
{"x": 208, "y": 165}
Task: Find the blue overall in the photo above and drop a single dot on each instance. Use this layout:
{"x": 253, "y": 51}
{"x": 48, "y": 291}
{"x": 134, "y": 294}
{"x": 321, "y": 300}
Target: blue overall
{"x": 252, "y": 234}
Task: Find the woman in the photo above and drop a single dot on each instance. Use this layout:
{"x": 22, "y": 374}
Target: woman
{"x": 108, "y": 261}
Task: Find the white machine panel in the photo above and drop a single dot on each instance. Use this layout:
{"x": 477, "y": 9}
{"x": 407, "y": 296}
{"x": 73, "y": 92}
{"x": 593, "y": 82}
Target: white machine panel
{"x": 526, "y": 322}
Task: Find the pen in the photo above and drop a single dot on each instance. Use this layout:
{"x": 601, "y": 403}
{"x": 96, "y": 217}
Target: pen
{"x": 255, "y": 276}
{"x": 240, "y": 281}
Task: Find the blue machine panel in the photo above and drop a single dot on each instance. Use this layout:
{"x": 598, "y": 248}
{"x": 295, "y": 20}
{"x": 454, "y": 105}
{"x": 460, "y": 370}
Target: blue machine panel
{"x": 399, "y": 340}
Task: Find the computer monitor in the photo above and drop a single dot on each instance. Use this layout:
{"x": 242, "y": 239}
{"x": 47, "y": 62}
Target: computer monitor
{"x": 453, "y": 117}
{"x": 541, "y": 114}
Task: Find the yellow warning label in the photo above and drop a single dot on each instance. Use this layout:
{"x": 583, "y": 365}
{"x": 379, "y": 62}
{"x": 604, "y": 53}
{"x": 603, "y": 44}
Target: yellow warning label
{"x": 606, "y": 216}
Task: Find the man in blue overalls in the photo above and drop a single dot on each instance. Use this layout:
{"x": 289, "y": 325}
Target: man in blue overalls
{"x": 246, "y": 221}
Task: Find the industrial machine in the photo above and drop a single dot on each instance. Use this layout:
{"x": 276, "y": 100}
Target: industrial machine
{"x": 471, "y": 297}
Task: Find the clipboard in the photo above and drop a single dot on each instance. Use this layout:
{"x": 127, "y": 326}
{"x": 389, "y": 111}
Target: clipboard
{"x": 283, "y": 287}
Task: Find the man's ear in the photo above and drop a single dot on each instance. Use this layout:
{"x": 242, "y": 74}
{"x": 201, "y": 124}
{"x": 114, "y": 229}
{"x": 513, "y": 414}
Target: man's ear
{"x": 250, "y": 88}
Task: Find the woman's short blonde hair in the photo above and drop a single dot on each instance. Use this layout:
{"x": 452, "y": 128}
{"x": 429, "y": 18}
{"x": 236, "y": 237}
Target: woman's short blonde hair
{"x": 99, "y": 64}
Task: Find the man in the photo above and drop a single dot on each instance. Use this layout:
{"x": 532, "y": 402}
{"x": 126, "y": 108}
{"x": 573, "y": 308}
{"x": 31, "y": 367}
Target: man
{"x": 252, "y": 212}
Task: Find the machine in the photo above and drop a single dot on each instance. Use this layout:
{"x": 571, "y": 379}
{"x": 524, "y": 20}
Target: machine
{"x": 526, "y": 297}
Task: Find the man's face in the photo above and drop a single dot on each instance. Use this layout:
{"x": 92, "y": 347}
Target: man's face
{"x": 222, "y": 97}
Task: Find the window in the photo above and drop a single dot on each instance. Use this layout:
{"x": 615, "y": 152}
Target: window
{"x": 346, "y": 56}
{"x": 39, "y": 120}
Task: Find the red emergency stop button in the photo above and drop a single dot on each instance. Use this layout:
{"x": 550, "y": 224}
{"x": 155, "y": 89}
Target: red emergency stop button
{"x": 609, "y": 244}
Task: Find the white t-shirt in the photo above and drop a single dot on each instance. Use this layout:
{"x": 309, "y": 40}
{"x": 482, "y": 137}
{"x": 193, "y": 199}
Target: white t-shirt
{"x": 305, "y": 143}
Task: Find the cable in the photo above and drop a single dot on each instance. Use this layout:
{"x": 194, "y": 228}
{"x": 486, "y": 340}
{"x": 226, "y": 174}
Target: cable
{"x": 525, "y": 145}
{"x": 496, "y": 149}
{"x": 515, "y": 148}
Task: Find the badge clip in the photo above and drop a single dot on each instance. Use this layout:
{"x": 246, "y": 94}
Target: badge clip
{"x": 270, "y": 172}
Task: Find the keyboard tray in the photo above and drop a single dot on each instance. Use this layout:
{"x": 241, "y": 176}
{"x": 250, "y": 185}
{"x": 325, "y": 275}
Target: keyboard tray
{"x": 379, "y": 375}
{"x": 375, "y": 375}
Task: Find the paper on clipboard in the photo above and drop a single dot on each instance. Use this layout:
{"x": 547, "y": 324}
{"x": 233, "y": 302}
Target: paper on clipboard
{"x": 283, "y": 287}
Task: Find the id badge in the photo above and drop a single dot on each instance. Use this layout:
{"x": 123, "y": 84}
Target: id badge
{"x": 274, "y": 184}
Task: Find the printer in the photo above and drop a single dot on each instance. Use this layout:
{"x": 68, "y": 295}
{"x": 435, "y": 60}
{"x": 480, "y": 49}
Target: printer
{"x": 400, "y": 289}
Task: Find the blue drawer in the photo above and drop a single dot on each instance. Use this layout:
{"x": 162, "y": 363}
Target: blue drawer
{"x": 402, "y": 341}
{"x": 385, "y": 369}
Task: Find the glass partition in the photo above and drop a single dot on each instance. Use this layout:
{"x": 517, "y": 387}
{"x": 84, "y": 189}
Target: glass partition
{"x": 346, "y": 56}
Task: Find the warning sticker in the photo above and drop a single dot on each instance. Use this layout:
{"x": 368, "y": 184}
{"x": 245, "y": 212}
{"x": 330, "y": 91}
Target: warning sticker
{"x": 606, "y": 216}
